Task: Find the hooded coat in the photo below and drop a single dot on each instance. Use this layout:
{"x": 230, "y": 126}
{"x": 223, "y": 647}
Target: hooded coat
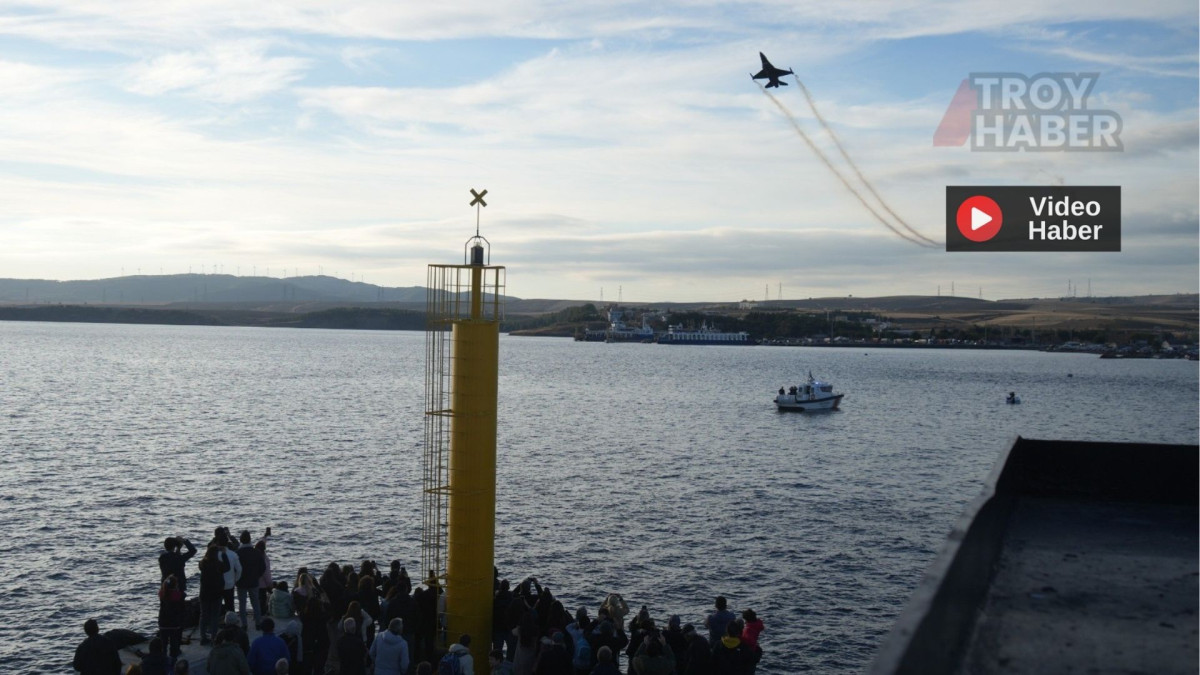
{"x": 281, "y": 604}
{"x": 466, "y": 664}
{"x": 389, "y": 652}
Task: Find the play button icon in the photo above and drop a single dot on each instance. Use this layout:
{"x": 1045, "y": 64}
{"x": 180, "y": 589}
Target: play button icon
{"x": 979, "y": 218}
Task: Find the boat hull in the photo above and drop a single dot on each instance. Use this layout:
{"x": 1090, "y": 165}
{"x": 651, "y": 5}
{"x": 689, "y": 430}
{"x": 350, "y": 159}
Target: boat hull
{"x": 789, "y": 403}
{"x": 614, "y": 336}
{"x": 738, "y": 341}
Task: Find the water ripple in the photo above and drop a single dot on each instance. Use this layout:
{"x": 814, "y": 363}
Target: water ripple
{"x": 659, "y": 472}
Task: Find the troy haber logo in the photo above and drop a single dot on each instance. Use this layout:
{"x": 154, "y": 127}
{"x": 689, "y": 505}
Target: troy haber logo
{"x": 1007, "y": 112}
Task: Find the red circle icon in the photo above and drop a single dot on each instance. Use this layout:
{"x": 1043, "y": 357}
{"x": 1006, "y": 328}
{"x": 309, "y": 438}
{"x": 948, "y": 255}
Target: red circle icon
{"x": 979, "y": 218}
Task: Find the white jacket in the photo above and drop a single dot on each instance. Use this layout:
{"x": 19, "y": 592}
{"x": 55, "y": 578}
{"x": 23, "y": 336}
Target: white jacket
{"x": 235, "y": 567}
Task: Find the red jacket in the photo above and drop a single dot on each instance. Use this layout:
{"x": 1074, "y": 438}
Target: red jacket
{"x": 751, "y": 631}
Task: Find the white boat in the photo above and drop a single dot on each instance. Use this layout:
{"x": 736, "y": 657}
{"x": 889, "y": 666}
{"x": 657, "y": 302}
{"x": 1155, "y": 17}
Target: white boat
{"x": 812, "y": 395}
{"x": 706, "y": 335}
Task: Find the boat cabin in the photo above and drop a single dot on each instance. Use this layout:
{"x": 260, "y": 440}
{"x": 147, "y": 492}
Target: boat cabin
{"x": 813, "y": 389}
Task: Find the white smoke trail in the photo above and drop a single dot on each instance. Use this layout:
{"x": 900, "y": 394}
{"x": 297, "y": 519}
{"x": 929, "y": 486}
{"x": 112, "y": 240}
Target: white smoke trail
{"x": 825, "y": 160}
{"x": 1058, "y": 180}
{"x": 846, "y": 156}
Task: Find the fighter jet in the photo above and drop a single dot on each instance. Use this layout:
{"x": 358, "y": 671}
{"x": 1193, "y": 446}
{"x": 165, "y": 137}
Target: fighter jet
{"x": 770, "y": 72}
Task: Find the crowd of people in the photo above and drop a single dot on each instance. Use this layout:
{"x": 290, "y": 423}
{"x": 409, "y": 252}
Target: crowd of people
{"x": 536, "y": 635}
{"x": 356, "y": 621}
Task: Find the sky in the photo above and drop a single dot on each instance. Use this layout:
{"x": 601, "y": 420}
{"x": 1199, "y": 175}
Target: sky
{"x": 626, "y": 152}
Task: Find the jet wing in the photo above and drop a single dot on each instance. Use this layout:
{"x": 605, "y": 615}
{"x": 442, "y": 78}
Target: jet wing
{"x": 769, "y": 71}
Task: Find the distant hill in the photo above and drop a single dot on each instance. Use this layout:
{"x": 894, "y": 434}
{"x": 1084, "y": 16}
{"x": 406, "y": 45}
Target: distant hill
{"x": 935, "y": 304}
{"x": 298, "y": 295}
{"x": 353, "y": 318}
{"x": 329, "y": 302}
{"x": 209, "y": 290}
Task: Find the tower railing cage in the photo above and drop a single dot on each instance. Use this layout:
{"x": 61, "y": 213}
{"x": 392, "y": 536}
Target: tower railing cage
{"x": 448, "y": 301}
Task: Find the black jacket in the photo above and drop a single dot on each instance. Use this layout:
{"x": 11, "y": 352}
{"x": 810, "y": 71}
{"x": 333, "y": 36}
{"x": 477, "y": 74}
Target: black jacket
{"x": 97, "y": 656}
{"x": 212, "y": 579}
{"x": 402, "y": 607}
{"x": 253, "y": 566}
{"x": 553, "y": 661}
{"x": 614, "y": 641}
{"x": 736, "y": 660}
{"x": 172, "y": 562}
{"x": 172, "y": 610}
{"x": 237, "y": 636}
{"x": 699, "y": 657}
{"x": 352, "y": 655}
{"x": 156, "y": 664}
{"x": 678, "y": 645}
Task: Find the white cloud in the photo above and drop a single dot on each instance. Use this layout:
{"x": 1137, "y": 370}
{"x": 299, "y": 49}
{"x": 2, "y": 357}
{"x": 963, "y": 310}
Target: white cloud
{"x": 1176, "y": 65}
{"x": 155, "y": 22}
{"x": 227, "y": 72}
{"x": 20, "y": 80}
{"x": 361, "y": 58}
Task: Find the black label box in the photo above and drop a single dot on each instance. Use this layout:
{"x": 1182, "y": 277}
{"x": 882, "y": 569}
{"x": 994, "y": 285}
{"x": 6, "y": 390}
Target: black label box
{"x": 1033, "y": 218}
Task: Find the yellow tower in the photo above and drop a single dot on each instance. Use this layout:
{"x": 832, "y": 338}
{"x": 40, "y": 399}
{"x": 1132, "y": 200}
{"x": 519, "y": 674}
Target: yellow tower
{"x": 463, "y": 312}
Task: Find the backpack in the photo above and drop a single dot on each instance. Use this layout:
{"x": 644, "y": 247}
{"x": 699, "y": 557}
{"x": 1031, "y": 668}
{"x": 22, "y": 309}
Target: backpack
{"x": 583, "y": 653}
{"x": 449, "y": 665}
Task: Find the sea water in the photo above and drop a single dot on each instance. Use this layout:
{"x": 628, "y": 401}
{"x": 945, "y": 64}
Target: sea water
{"x": 660, "y": 472}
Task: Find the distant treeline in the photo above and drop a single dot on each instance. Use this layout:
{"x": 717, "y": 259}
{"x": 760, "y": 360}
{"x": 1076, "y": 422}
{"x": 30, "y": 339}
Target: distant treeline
{"x": 572, "y": 315}
{"x": 87, "y": 314}
{"x": 357, "y": 318}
